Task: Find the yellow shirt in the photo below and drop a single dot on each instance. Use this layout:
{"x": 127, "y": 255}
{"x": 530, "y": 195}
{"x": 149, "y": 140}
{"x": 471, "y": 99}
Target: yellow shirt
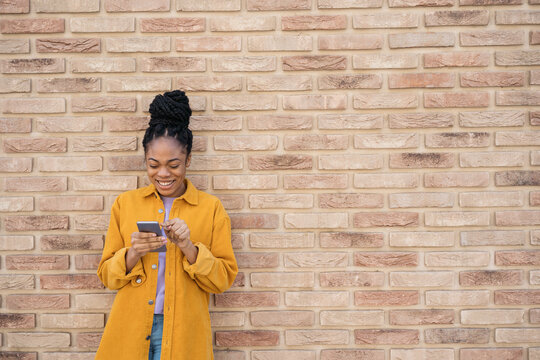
{"x": 186, "y": 330}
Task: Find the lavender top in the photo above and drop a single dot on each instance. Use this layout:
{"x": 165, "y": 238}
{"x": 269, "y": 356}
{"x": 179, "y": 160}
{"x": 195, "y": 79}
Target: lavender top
{"x": 160, "y": 290}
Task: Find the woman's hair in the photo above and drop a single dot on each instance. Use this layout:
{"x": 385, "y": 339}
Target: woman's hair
{"x": 169, "y": 116}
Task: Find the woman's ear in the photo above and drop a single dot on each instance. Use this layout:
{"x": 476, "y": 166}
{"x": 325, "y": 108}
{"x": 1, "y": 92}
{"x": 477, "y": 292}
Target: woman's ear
{"x": 188, "y": 160}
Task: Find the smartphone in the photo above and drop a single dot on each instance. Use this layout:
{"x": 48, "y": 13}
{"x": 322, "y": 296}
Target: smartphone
{"x": 152, "y": 227}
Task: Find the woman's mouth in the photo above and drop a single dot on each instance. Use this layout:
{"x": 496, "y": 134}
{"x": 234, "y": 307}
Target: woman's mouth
{"x": 164, "y": 184}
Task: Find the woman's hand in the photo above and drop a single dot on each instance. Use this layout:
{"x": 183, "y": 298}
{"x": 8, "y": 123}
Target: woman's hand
{"x": 178, "y": 232}
{"x": 141, "y": 244}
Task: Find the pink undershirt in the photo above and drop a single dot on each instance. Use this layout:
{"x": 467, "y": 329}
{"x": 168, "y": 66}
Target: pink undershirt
{"x": 160, "y": 289}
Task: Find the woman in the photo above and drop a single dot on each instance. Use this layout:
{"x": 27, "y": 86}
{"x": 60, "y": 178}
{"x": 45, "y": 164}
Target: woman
{"x": 161, "y": 308}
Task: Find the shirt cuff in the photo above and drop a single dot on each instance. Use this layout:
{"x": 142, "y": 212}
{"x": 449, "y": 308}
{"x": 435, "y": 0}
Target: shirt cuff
{"x": 204, "y": 263}
{"x": 118, "y": 267}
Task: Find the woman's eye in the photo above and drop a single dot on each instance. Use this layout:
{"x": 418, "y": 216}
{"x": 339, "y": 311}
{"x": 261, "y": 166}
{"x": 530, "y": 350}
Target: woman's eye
{"x": 174, "y": 166}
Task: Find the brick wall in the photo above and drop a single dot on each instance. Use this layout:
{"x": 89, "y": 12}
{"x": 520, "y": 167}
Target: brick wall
{"x": 379, "y": 161}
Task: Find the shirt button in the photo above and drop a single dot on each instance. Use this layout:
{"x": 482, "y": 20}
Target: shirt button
{"x": 160, "y": 211}
{"x": 150, "y": 302}
{"x": 138, "y": 281}
{"x": 154, "y": 266}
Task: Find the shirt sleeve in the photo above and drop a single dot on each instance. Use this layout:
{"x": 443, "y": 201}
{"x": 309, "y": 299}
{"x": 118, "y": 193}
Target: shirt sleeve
{"x": 112, "y": 267}
{"x": 215, "y": 268}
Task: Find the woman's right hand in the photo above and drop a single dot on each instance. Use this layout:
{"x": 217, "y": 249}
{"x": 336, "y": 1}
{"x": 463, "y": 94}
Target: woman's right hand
{"x": 141, "y": 244}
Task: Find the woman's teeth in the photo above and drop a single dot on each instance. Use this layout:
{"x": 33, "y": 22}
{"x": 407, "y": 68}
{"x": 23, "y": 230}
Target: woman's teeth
{"x": 164, "y": 183}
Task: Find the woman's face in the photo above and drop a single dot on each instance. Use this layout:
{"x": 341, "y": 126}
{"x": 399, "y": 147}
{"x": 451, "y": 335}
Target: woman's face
{"x": 166, "y": 164}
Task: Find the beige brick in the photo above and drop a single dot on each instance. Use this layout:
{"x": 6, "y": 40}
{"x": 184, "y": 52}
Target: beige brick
{"x": 15, "y": 125}
{"x": 265, "y": 5}
{"x": 316, "y": 298}
{"x": 421, "y": 354}
{"x": 93, "y": 301}
{"x": 457, "y": 336}
{"x": 316, "y": 337}
{"x": 243, "y": 63}
{"x": 517, "y": 58}
{"x": 315, "y": 22}
{"x": 311, "y": 181}
{"x": 72, "y": 321}
{"x": 134, "y": 5}
{"x": 457, "y": 218}
{"x": 314, "y": 102}
{"x": 15, "y": 7}
{"x": 91, "y": 222}
{"x": 227, "y": 319}
{"x": 385, "y": 259}
{"x": 107, "y": 183}
{"x": 243, "y": 23}
{"x": 352, "y": 318}
{"x": 76, "y": 163}
{"x": 33, "y": 184}
{"x": 137, "y": 84}
{"x": 36, "y": 222}
{"x": 457, "y": 258}
{"x": 490, "y": 317}
{"x": 350, "y": 200}
{"x": 517, "y": 138}
{"x": 15, "y": 86}
{"x": 386, "y": 141}
{"x": 384, "y": 20}
{"x": 413, "y": 200}
{"x": 103, "y": 65}
{"x": 33, "y": 105}
{"x": 238, "y": 182}
{"x": 206, "y": 83}
{"x": 16, "y": 242}
{"x": 458, "y": 139}
{"x": 280, "y": 122}
{"x": 492, "y": 118}
{"x": 493, "y": 238}
{"x": 65, "y": 6}
{"x": 414, "y": 40}
{"x": 282, "y": 318}
{"x": 491, "y": 199}
{"x": 283, "y": 280}
{"x": 54, "y": 124}
{"x": 347, "y": 354}
{"x": 351, "y": 279}
{"x": 315, "y": 259}
{"x": 393, "y": 180}
{"x": 280, "y": 43}
{"x": 349, "y": 4}
{"x": 349, "y": 121}
{"x": 491, "y": 278}
{"x": 385, "y": 61}
{"x": 281, "y": 240}
{"x": 16, "y": 204}
{"x": 457, "y": 18}
{"x": 244, "y": 102}
{"x": 457, "y": 298}
{"x": 316, "y": 221}
{"x": 279, "y": 83}
{"x": 422, "y": 278}
{"x": 456, "y": 59}
{"x": 98, "y": 25}
{"x": 390, "y": 337}
{"x": 421, "y": 317}
{"x": 444, "y": 179}
{"x": 314, "y": 62}
{"x": 103, "y": 104}
{"x": 422, "y": 239}
{"x": 386, "y": 298}
{"x": 37, "y": 262}
{"x": 245, "y": 143}
{"x": 208, "y": 5}
{"x": 517, "y": 98}
{"x": 486, "y": 354}
{"x": 280, "y": 162}
{"x": 283, "y": 355}
{"x": 140, "y": 44}
{"x": 492, "y": 159}
{"x": 281, "y": 201}
{"x": 39, "y": 340}
{"x": 17, "y": 282}
{"x": 207, "y": 43}
{"x": 517, "y": 335}
{"x": 456, "y": 100}
{"x": 247, "y": 299}
{"x": 315, "y": 142}
{"x": 385, "y": 101}
{"x": 492, "y": 38}
{"x": 350, "y": 42}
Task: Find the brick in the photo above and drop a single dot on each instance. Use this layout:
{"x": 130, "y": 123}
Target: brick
{"x": 206, "y": 5}
{"x": 534, "y": 198}
{"x": 350, "y": 121}
{"x": 265, "y": 5}
{"x": 104, "y": 183}
{"x": 246, "y": 182}
{"x": 103, "y": 104}
{"x": 244, "y": 102}
{"x": 283, "y": 280}
{"x": 215, "y": 123}
{"x": 492, "y": 79}
{"x": 386, "y": 298}
{"x": 386, "y": 141}
{"x": 14, "y": 7}
{"x": 68, "y": 356}
{"x": 137, "y": 84}
{"x": 13, "y": 46}
{"x": 91, "y": 222}
{"x": 449, "y": 179}
{"x": 15, "y": 86}
{"x": 283, "y": 355}
{"x": 257, "y": 260}
{"x": 64, "y": 45}
{"x": 37, "y": 262}
{"x": 456, "y": 100}
{"x": 126, "y": 123}
{"x": 314, "y": 181}
{"x": 458, "y": 139}
{"x": 16, "y": 242}
{"x": 487, "y": 354}
{"x": 350, "y": 42}
{"x": 103, "y": 65}
{"x": 16, "y": 355}
{"x": 17, "y": 282}
{"x": 386, "y": 337}
{"x": 356, "y": 318}
{"x": 93, "y": 301}
{"x": 247, "y": 299}
{"x": 316, "y": 337}
{"x": 534, "y": 316}
{"x": 385, "y": 21}
{"x": 68, "y": 124}
{"x": 16, "y": 204}
{"x": 517, "y": 218}
{"x": 534, "y": 79}
{"x": 225, "y": 319}
{"x": 457, "y": 336}
{"x": 421, "y": 239}
{"x": 333, "y": 201}
{"x": 101, "y": 25}
{"x": 493, "y": 238}
{"x": 517, "y": 98}
{"x": 15, "y": 125}
{"x": 72, "y": 321}
{"x": 457, "y": 218}
{"x": 36, "y": 222}
{"x": 314, "y": 102}
{"x": 517, "y": 297}
{"x": 136, "y": 5}
{"x": 32, "y": 26}
{"x": 492, "y": 159}
{"x": 517, "y": 178}
{"x": 244, "y": 63}
{"x": 280, "y": 43}
{"x": 415, "y": 40}
{"x": 489, "y": 317}
{"x": 490, "y": 199}
{"x": 316, "y": 221}
{"x": 411, "y": 200}
{"x": 421, "y": 317}
{"x": 517, "y": 58}
{"x": 70, "y": 282}
{"x": 316, "y": 298}
{"x": 207, "y": 43}
{"x": 280, "y": 162}
{"x": 385, "y": 259}
{"x": 260, "y": 240}
{"x": 457, "y": 259}
{"x": 306, "y": 22}
{"x": 421, "y": 160}
{"x": 254, "y": 221}
{"x": 315, "y": 142}
{"x": 394, "y": 180}
{"x": 385, "y": 101}
{"x": 314, "y": 62}
{"x": 421, "y": 354}
{"x": 457, "y": 18}
{"x": 104, "y": 143}
{"x": 349, "y": 4}
{"x": 517, "y": 335}
{"x": 351, "y": 279}
{"x": 243, "y": 23}
{"x": 26, "y": 145}
{"x": 349, "y": 354}
{"x": 245, "y": 143}
{"x": 88, "y": 340}
{"x": 385, "y": 219}
{"x": 87, "y": 262}
{"x": 316, "y": 259}
{"x": 206, "y": 83}
{"x": 421, "y": 278}
{"x": 490, "y": 277}
{"x": 77, "y": 163}
{"x": 281, "y": 201}
{"x": 385, "y": 61}
{"x": 350, "y": 239}
{"x": 38, "y": 340}
{"x": 517, "y": 258}
{"x": 142, "y": 44}
{"x": 282, "y": 318}
{"x": 232, "y": 202}
{"x": 457, "y": 298}
{"x": 534, "y": 277}
{"x": 33, "y": 105}
{"x": 279, "y": 83}
{"x": 65, "y": 6}
{"x": 18, "y": 321}
{"x": 492, "y": 38}
{"x": 421, "y": 80}
{"x": 36, "y": 184}
{"x": 172, "y": 25}
{"x": 491, "y": 118}
{"x": 456, "y": 59}
{"x": 535, "y": 237}
{"x": 534, "y": 38}
{"x": 489, "y": 2}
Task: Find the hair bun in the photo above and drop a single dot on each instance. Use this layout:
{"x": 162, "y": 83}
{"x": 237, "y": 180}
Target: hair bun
{"x": 171, "y": 108}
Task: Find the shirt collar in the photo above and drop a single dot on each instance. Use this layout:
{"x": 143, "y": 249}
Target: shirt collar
{"x": 191, "y": 195}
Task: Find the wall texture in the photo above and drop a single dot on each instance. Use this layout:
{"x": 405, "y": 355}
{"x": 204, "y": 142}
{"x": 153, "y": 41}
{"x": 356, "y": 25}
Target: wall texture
{"x": 378, "y": 158}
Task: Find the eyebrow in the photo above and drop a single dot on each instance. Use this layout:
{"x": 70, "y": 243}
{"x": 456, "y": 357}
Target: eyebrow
{"x": 171, "y": 160}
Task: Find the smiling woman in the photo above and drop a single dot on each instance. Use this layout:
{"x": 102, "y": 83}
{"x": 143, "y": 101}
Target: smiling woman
{"x": 161, "y": 308}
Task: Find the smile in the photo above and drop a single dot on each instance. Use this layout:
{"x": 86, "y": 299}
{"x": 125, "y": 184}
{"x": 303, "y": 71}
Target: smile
{"x": 164, "y": 183}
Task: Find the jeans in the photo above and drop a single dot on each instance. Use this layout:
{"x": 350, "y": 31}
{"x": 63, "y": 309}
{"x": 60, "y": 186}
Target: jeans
{"x": 155, "y": 338}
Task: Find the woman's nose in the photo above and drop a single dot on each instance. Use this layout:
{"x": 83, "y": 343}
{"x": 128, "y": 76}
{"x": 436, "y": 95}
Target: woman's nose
{"x": 163, "y": 171}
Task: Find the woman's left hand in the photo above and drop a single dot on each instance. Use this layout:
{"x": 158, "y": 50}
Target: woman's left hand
{"x": 178, "y": 232}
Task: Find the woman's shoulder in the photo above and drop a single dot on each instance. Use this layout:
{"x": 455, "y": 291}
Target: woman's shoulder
{"x": 134, "y": 194}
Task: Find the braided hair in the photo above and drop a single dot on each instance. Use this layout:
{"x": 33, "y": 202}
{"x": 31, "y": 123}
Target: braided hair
{"x": 169, "y": 116}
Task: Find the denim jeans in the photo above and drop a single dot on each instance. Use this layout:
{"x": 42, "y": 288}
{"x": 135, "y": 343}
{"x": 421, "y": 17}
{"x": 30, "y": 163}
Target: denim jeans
{"x": 155, "y": 338}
